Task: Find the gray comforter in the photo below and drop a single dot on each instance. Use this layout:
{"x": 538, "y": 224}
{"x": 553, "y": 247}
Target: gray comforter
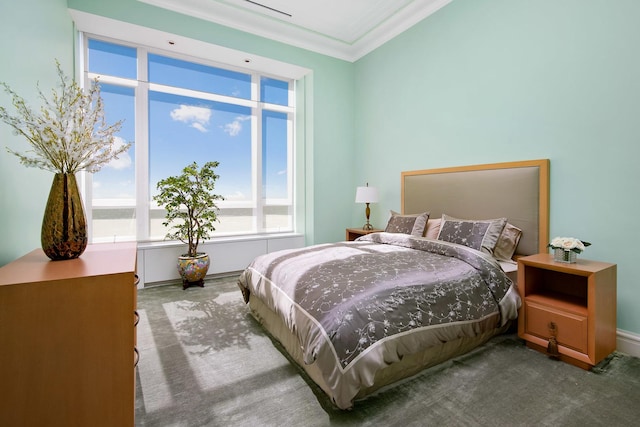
{"x": 357, "y": 306}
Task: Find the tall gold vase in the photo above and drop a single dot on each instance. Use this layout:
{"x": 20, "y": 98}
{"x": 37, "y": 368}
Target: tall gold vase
{"x": 64, "y": 226}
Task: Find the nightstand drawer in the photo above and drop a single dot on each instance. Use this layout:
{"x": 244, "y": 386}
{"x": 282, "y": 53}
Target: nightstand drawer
{"x": 571, "y": 328}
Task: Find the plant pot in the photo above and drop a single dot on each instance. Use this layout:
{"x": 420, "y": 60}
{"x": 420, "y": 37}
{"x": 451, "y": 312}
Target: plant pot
{"x": 560, "y": 255}
{"x": 193, "y": 269}
{"x": 64, "y": 225}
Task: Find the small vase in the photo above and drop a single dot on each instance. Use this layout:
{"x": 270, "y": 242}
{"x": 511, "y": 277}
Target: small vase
{"x": 561, "y": 255}
{"x": 64, "y": 226}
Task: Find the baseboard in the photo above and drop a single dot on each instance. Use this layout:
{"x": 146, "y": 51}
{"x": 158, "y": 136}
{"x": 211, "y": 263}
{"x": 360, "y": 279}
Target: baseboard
{"x": 628, "y": 343}
{"x": 208, "y": 277}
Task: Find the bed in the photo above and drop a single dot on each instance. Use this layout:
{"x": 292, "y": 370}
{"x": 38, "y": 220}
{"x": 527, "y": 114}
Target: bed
{"x": 438, "y": 282}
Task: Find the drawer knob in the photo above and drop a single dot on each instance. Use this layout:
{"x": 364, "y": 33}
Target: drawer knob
{"x": 552, "y": 347}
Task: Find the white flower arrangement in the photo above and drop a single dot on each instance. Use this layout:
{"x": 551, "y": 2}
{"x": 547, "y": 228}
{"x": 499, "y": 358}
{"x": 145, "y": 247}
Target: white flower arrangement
{"x": 568, "y": 244}
{"x": 70, "y": 133}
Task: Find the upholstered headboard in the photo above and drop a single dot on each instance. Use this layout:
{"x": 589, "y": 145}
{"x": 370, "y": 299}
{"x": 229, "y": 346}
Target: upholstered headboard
{"x": 518, "y": 191}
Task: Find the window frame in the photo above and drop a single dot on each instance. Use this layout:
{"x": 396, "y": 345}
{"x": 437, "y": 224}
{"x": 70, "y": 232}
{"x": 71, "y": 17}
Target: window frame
{"x": 143, "y": 204}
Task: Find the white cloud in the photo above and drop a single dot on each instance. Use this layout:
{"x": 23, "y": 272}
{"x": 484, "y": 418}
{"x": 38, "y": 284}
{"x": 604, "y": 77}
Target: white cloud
{"x": 234, "y": 128}
{"x": 200, "y": 127}
{"x": 196, "y": 117}
{"x": 123, "y": 161}
{"x": 282, "y": 172}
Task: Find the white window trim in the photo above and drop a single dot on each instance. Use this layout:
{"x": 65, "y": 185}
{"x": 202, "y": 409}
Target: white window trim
{"x": 113, "y": 31}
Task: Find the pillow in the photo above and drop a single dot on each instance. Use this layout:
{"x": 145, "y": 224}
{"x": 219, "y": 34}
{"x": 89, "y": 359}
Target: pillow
{"x": 414, "y": 224}
{"x": 507, "y": 243}
{"x": 481, "y": 235}
{"x": 433, "y": 228}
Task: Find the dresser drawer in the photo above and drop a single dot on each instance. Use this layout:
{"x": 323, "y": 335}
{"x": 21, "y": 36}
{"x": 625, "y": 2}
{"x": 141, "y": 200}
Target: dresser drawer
{"x": 571, "y": 328}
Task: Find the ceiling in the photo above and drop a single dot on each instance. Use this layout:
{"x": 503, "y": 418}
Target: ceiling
{"x": 345, "y": 29}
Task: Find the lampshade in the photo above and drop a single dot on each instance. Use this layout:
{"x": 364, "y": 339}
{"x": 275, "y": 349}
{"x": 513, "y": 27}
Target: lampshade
{"x": 366, "y": 194}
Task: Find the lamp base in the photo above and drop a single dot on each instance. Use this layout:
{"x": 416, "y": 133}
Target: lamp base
{"x": 367, "y": 227}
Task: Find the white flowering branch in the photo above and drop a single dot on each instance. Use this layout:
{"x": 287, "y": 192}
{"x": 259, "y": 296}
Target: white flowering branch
{"x": 70, "y": 134}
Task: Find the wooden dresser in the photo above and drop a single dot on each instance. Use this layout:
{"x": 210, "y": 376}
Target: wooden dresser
{"x": 67, "y": 339}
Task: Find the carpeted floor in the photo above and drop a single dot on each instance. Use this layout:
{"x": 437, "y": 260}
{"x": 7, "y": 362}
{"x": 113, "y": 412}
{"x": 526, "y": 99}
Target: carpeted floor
{"x": 204, "y": 361}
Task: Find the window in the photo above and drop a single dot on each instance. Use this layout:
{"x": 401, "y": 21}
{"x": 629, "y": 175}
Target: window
{"x": 178, "y": 110}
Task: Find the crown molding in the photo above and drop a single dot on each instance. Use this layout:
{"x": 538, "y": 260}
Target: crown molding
{"x": 274, "y": 29}
{"x": 395, "y": 25}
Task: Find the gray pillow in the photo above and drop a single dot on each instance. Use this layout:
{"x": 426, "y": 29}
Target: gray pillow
{"x": 481, "y": 235}
{"x": 414, "y": 224}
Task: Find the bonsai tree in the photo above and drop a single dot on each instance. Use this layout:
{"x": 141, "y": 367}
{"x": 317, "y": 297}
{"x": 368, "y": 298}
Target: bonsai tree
{"x": 190, "y": 204}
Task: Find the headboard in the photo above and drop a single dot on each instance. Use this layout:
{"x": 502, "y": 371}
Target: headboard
{"x": 518, "y": 191}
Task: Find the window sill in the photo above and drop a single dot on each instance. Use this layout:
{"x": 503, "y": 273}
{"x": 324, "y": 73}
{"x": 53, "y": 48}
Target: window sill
{"x": 155, "y": 244}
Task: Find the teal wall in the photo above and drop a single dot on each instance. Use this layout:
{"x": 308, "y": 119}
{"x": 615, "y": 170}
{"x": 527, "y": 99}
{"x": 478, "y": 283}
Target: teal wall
{"x": 480, "y": 81}
{"x": 34, "y": 34}
{"x": 488, "y": 81}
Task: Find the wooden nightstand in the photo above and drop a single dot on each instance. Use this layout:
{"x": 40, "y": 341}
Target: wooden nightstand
{"x": 354, "y": 233}
{"x": 579, "y": 299}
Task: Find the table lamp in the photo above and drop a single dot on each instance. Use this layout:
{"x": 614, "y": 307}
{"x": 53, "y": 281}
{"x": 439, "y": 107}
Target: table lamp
{"x": 367, "y": 195}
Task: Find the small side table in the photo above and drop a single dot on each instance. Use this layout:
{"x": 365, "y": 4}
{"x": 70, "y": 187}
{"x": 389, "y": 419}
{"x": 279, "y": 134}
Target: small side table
{"x": 576, "y": 301}
{"x": 354, "y": 233}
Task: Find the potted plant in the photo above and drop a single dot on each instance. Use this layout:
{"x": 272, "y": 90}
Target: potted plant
{"x": 67, "y": 135}
{"x": 190, "y": 203}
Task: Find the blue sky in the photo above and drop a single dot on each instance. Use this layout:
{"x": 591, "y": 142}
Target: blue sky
{"x": 184, "y": 129}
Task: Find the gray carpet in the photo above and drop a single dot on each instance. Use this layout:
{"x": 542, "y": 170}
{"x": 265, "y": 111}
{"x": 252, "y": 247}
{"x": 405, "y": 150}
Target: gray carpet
{"x": 204, "y": 361}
